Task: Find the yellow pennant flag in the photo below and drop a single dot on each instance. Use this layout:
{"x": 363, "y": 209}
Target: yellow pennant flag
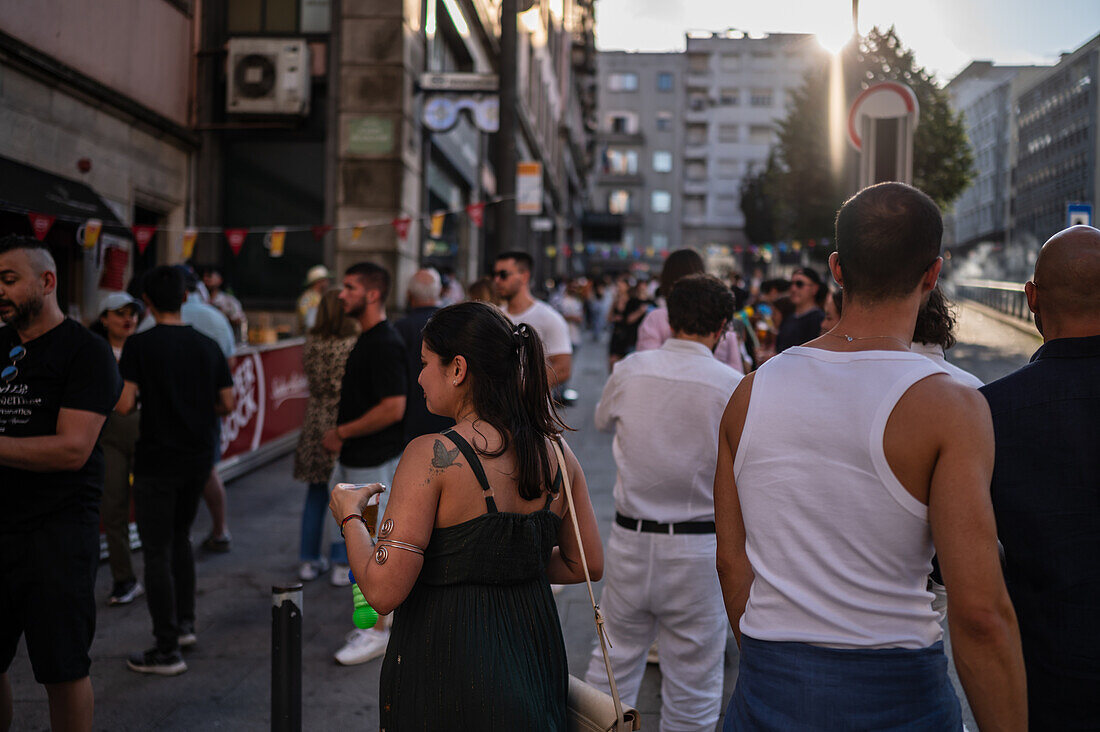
{"x": 276, "y": 238}
{"x": 437, "y": 223}
{"x": 92, "y": 227}
{"x": 357, "y": 230}
{"x": 189, "y": 237}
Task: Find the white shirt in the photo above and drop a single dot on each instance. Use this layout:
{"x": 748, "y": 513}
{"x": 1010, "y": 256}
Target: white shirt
{"x": 548, "y": 323}
{"x": 840, "y": 550}
{"x": 665, "y": 406}
{"x": 934, "y": 352}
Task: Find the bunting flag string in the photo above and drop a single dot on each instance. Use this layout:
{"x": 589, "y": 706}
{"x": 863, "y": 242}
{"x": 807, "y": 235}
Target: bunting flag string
{"x": 142, "y": 236}
{"x": 41, "y": 224}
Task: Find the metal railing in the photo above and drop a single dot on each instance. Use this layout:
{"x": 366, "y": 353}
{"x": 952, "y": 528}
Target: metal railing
{"x": 1004, "y": 297}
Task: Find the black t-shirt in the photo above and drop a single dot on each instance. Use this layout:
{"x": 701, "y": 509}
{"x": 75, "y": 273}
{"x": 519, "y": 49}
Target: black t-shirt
{"x": 798, "y": 329}
{"x": 418, "y": 420}
{"x": 179, "y": 373}
{"x": 66, "y": 367}
{"x": 375, "y": 370}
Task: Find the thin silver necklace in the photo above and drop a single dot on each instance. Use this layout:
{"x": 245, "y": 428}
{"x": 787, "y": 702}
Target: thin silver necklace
{"x": 849, "y": 338}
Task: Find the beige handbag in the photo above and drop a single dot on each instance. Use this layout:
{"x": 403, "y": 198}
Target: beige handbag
{"x": 589, "y": 709}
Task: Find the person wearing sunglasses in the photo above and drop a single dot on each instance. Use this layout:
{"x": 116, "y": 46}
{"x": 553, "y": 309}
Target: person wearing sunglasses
{"x": 512, "y": 282}
{"x": 807, "y": 294}
{"x": 58, "y": 383}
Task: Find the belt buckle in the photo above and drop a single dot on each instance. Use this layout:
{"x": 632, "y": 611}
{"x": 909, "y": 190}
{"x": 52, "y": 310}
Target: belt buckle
{"x": 671, "y": 529}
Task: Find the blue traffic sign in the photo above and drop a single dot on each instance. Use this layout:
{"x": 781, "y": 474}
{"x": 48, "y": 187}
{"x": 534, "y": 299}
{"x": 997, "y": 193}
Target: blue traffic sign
{"x": 1078, "y": 213}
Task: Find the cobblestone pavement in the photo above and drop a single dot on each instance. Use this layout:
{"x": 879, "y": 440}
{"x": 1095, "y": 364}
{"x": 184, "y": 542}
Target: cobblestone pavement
{"x": 227, "y": 685}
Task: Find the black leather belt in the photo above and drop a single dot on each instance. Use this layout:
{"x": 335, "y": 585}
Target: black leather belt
{"x": 656, "y": 527}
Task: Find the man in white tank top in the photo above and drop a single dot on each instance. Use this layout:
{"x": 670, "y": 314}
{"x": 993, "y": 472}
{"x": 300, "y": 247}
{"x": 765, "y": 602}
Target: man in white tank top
{"x": 838, "y": 462}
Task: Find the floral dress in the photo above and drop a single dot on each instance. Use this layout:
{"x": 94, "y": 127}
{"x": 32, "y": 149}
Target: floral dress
{"x": 324, "y": 359}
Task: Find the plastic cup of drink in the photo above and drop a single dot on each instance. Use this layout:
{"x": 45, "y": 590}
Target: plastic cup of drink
{"x": 370, "y": 513}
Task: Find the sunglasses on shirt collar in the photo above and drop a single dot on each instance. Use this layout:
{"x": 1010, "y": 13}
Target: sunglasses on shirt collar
{"x": 16, "y": 355}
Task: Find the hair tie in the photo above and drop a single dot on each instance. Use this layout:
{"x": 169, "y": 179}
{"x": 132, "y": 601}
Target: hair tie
{"x": 520, "y": 335}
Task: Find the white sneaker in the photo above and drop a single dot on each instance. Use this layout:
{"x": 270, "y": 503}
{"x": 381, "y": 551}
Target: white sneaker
{"x": 362, "y": 646}
{"x": 310, "y": 571}
{"x": 339, "y": 576}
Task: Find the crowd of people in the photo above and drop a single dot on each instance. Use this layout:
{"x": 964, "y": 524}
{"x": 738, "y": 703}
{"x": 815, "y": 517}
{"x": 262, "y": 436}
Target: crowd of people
{"x": 813, "y": 444}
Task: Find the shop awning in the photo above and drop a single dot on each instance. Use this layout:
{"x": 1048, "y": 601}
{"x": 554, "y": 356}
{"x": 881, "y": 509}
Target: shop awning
{"x": 26, "y": 188}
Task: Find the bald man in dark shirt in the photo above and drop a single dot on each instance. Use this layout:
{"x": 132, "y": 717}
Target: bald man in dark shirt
{"x": 1046, "y": 485}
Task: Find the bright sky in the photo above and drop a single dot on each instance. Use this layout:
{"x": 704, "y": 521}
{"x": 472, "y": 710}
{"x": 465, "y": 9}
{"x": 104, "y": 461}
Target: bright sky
{"x": 945, "y": 34}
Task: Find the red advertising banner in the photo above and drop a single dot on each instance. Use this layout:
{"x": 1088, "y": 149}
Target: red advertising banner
{"x": 271, "y": 390}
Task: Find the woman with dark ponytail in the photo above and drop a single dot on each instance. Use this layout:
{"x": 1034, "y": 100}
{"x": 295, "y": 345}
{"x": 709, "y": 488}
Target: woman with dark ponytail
{"x": 473, "y": 536}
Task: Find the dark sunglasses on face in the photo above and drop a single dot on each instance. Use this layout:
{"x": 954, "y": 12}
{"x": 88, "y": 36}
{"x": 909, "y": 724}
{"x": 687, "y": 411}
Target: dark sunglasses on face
{"x": 502, "y": 274}
{"x": 800, "y": 283}
{"x": 9, "y": 373}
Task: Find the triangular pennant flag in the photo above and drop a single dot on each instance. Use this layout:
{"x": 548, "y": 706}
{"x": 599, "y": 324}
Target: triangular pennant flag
{"x": 437, "y": 223}
{"x": 401, "y": 226}
{"x": 142, "y": 236}
{"x": 357, "y": 230}
{"x": 236, "y": 237}
{"x": 90, "y": 233}
{"x": 319, "y": 231}
{"x": 41, "y": 224}
{"x": 811, "y": 243}
{"x": 189, "y": 236}
{"x": 476, "y": 212}
{"x": 275, "y": 240}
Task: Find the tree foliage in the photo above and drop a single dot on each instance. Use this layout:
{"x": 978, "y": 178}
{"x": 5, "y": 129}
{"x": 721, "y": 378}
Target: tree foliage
{"x": 757, "y": 206}
{"x": 803, "y": 189}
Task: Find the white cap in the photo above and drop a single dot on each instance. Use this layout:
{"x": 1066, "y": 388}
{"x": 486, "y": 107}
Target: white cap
{"x": 116, "y": 300}
{"x": 316, "y": 274}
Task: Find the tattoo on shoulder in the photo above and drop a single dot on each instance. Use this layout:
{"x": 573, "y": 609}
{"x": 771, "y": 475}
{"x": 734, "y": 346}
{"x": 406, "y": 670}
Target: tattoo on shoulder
{"x": 442, "y": 457}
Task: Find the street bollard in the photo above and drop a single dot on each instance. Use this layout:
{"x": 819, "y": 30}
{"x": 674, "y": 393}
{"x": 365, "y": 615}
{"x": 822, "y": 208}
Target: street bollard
{"x": 286, "y": 658}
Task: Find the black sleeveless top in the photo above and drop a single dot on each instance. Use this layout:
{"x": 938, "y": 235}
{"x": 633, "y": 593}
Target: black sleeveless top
{"x": 477, "y": 644}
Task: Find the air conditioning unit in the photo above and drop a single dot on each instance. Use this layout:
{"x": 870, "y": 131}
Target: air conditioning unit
{"x": 268, "y": 76}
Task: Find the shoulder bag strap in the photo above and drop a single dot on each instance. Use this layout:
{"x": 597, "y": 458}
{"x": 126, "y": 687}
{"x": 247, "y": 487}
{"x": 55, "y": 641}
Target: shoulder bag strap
{"x": 601, "y": 633}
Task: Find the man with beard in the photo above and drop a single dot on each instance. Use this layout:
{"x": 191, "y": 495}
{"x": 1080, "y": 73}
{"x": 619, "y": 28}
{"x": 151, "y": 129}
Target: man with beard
{"x": 368, "y": 435}
{"x": 512, "y": 280}
{"x": 58, "y": 384}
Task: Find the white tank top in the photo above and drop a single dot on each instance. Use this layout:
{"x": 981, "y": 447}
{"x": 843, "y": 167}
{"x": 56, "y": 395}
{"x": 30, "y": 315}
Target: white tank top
{"x": 840, "y": 550}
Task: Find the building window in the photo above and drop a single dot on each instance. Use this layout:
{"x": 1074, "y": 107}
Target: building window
{"x": 623, "y": 123}
{"x": 697, "y": 102}
{"x": 277, "y": 16}
{"x": 726, "y": 205}
{"x": 620, "y": 162}
{"x": 662, "y": 161}
{"x": 660, "y": 242}
{"x": 696, "y": 171}
{"x": 661, "y": 202}
{"x": 618, "y": 202}
{"x": 761, "y": 98}
{"x": 727, "y": 168}
{"x": 695, "y": 207}
{"x": 664, "y": 121}
{"x": 698, "y": 63}
{"x": 730, "y": 61}
{"x": 664, "y": 81}
{"x": 760, "y": 135}
{"x": 623, "y": 82}
{"x": 729, "y": 133}
{"x": 729, "y": 98}
{"x": 697, "y": 134}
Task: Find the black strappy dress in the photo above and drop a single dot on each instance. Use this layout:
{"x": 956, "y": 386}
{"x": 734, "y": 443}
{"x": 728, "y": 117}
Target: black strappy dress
{"x": 477, "y": 644}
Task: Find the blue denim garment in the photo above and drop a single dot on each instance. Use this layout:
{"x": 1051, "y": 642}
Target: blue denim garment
{"x": 797, "y": 687}
{"x": 1046, "y": 496}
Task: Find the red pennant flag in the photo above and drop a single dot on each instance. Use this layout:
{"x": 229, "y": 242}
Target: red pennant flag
{"x": 41, "y": 224}
{"x": 476, "y": 212}
{"x": 320, "y": 230}
{"x": 142, "y": 236}
{"x": 235, "y": 237}
{"x": 811, "y": 243}
{"x": 401, "y": 226}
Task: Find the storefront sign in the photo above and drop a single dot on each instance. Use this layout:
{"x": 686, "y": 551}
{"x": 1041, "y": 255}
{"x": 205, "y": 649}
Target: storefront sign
{"x": 370, "y": 135}
{"x": 529, "y": 189}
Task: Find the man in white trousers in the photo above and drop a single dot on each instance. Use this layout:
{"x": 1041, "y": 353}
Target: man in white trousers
{"x": 660, "y": 583}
